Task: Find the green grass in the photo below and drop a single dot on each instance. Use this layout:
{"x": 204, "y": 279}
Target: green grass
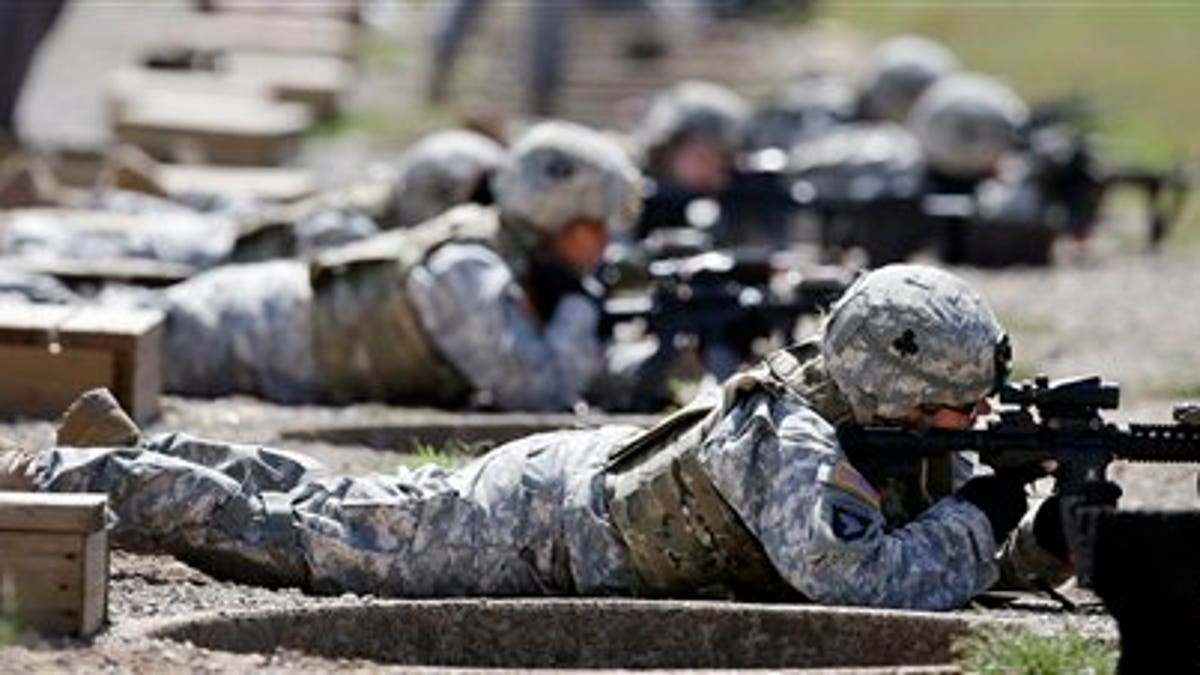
{"x": 1138, "y": 60}
{"x": 9, "y": 633}
{"x": 1007, "y": 650}
{"x": 395, "y": 126}
{"x": 422, "y": 453}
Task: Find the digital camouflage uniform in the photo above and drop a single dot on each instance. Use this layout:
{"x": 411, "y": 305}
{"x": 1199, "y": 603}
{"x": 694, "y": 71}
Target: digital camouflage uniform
{"x": 443, "y": 169}
{"x": 432, "y": 314}
{"x": 745, "y": 493}
{"x": 250, "y": 328}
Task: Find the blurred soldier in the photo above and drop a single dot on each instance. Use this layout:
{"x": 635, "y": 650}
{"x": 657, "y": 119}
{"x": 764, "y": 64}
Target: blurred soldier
{"x": 966, "y": 124}
{"x": 689, "y": 138}
{"x": 443, "y": 169}
{"x": 810, "y": 106}
{"x": 482, "y": 304}
{"x": 745, "y": 493}
{"x": 897, "y": 72}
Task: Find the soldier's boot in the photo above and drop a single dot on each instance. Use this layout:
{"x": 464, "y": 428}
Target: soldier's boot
{"x": 95, "y": 420}
{"x": 16, "y": 470}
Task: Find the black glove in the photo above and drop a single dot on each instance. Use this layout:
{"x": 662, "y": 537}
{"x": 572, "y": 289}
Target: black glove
{"x": 1048, "y": 529}
{"x": 1001, "y": 497}
{"x": 550, "y": 281}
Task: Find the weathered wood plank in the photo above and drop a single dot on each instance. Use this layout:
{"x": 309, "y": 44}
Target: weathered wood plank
{"x": 51, "y": 354}
{"x": 43, "y": 512}
{"x": 54, "y": 561}
{"x": 41, "y": 383}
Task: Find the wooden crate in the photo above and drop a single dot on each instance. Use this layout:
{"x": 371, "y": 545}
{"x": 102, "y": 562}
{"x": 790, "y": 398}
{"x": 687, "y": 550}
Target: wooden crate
{"x": 54, "y": 561}
{"x": 50, "y": 354}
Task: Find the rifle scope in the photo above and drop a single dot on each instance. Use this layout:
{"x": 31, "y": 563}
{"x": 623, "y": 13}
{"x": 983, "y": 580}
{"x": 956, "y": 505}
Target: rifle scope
{"x": 1081, "y": 394}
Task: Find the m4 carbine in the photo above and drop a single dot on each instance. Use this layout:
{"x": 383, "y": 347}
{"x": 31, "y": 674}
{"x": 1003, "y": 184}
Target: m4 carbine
{"x": 1057, "y": 421}
{"x": 1142, "y": 564}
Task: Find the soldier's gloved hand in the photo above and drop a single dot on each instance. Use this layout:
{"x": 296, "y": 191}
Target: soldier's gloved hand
{"x": 551, "y": 281}
{"x": 1048, "y": 530}
{"x": 1001, "y": 497}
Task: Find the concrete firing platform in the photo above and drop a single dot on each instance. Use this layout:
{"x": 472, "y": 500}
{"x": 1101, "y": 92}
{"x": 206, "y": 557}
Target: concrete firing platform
{"x": 400, "y": 428}
{"x": 583, "y": 633}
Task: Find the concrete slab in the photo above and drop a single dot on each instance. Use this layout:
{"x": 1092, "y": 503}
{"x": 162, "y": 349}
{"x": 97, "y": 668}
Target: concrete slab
{"x": 268, "y": 31}
{"x": 216, "y": 128}
{"x": 585, "y": 633}
{"x": 321, "y": 82}
{"x": 129, "y": 81}
{"x": 469, "y": 432}
{"x": 272, "y": 184}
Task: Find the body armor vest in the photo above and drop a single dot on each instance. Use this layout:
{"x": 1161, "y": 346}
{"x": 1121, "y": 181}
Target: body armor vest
{"x": 683, "y": 538}
{"x": 370, "y": 343}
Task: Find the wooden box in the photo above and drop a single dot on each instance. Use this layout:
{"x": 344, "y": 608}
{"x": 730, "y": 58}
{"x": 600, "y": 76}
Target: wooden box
{"x": 53, "y": 561}
{"x": 50, "y": 354}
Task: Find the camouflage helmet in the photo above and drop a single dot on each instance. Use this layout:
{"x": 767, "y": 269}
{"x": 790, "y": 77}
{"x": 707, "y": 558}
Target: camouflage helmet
{"x": 693, "y": 108}
{"x": 558, "y": 172}
{"x": 966, "y": 123}
{"x": 441, "y": 170}
{"x": 898, "y": 71}
{"x": 912, "y": 335}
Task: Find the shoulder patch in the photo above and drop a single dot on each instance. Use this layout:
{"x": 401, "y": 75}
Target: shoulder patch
{"x": 848, "y": 524}
{"x": 847, "y": 479}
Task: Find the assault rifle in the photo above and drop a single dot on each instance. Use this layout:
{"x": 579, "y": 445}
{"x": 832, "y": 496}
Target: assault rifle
{"x": 1123, "y": 556}
{"x": 723, "y": 303}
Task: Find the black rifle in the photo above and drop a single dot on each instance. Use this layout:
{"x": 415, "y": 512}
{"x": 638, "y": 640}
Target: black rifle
{"x": 723, "y": 303}
{"x": 1061, "y": 421}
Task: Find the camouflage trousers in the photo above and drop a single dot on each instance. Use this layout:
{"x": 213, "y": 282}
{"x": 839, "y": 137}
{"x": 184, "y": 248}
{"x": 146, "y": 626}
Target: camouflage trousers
{"x": 528, "y": 518}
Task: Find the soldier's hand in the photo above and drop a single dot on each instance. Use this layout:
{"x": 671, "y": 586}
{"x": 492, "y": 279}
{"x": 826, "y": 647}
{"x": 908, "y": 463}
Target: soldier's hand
{"x": 1001, "y": 497}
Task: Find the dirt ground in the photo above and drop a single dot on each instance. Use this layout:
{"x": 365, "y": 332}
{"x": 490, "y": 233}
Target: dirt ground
{"x": 1129, "y": 316}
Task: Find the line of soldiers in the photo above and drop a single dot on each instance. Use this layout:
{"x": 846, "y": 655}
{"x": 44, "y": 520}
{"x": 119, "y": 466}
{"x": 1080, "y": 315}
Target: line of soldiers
{"x": 911, "y": 152}
{"x": 480, "y": 302}
{"x": 745, "y": 493}
{"x": 337, "y": 327}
